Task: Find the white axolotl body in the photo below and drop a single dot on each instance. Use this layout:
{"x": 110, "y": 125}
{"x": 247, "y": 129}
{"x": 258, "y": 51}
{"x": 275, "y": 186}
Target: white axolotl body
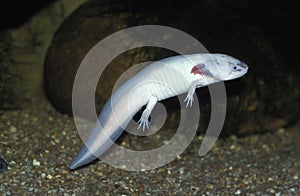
{"x": 158, "y": 81}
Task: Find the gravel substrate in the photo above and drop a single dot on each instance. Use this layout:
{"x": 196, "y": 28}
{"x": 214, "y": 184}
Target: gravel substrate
{"x": 38, "y": 145}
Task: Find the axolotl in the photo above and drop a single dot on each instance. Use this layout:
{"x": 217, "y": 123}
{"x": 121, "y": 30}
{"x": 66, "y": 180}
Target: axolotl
{"x": 158, "y": 81}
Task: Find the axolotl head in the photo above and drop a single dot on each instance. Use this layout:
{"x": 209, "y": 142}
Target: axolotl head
{"x": 226, "y": 67}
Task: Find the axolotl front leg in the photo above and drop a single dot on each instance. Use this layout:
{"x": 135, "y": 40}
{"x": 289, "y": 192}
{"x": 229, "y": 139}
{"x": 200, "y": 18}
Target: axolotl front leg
{"x": 203, "y": 71}
{"x": 189, "y": 98}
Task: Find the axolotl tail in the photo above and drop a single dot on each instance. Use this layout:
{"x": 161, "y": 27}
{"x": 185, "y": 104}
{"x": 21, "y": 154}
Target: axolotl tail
{"x": 89, "y": 151}
{"x": 111, "y": 122}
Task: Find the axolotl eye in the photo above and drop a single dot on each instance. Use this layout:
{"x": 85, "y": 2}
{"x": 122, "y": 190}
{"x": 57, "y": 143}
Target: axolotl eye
{"x": 236, "y": 68}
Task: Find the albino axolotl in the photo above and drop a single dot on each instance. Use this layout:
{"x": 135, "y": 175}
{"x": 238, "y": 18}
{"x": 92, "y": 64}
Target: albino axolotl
{"x": 158, "y": 81}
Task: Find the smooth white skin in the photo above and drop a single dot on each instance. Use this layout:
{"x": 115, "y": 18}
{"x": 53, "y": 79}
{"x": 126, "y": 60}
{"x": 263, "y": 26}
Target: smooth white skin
{"x": 158, "y": 81}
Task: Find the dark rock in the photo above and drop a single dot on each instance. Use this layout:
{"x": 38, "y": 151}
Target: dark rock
{"x": 3, "y": 165}
{"x": 266, "y": 99}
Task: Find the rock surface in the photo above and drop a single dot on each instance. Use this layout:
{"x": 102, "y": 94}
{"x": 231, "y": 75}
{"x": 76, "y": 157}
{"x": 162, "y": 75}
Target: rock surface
{"x": 259, "y": 102}
{"x": 265, "y": 164}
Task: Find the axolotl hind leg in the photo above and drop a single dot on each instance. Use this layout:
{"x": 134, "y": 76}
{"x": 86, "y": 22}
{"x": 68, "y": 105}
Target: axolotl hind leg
{"x": 144, "y": 122}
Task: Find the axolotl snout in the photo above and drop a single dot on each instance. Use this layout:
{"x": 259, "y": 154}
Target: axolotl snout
{"x": 158, "y": 81}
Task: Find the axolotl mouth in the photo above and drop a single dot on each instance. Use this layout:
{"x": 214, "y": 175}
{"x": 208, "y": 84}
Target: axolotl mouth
{"x": 243, "y": 65}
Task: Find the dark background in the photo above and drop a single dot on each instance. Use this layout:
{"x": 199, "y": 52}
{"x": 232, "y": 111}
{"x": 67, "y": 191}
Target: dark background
{"x": 14, "y": 13}
{"x": 279, "y": 19}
